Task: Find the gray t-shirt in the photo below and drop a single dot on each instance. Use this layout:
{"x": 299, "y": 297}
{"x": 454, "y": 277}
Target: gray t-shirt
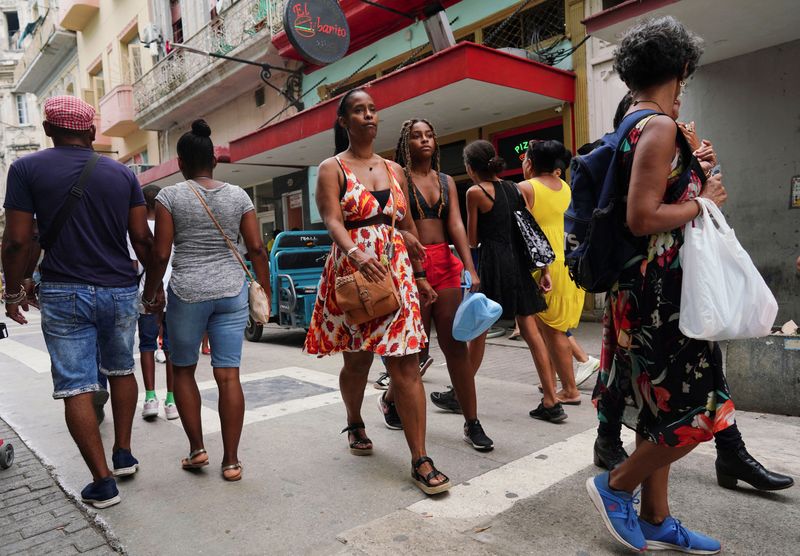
{"x": 203, "y": 267}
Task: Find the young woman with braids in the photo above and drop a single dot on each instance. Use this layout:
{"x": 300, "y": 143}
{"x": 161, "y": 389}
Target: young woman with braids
{"x": 433, "y": 204}
{"x": 357, "y": 194}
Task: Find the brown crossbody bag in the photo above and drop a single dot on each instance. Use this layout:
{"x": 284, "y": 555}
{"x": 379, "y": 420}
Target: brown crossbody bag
{"x": 362, "y": 300}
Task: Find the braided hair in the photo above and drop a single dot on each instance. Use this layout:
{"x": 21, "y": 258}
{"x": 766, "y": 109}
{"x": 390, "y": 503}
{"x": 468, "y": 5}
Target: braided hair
{"x": 402, "y": 155}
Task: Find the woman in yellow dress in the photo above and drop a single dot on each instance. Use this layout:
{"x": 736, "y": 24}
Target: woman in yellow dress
{"x": 551, "y": 196}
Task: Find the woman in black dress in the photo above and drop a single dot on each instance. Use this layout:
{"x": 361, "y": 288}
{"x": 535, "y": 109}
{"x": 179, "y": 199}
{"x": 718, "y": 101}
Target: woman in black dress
{"x": 505, "y": 277}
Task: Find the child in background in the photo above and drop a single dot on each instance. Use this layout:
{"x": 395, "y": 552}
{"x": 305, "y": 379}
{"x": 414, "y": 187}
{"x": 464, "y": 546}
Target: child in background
{"x": 149, "y": 327}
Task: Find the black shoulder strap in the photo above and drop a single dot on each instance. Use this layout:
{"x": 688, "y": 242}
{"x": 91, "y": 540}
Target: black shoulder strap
{"x": 75, "y": 194}
{"x": 487, "y": 193}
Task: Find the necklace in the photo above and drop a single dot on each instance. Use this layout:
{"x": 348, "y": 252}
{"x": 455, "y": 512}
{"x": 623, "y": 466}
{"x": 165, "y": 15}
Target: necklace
{"x": 637, "y": 102}
{"x": 416, "y": 193}
{"x": 366, "y": 161}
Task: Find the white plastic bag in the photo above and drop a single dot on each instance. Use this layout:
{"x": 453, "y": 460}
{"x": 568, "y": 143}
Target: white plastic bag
{"x": 723, "y": 295}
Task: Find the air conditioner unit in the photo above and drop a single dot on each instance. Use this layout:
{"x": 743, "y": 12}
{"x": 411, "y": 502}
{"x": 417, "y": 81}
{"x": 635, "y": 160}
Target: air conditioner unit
{"x": 151, "y": 33}
{"x": 139, "y": 168}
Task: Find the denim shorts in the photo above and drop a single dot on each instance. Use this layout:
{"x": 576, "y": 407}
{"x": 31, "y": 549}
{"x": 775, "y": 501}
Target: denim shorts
{"x": 85, "y": 326}
{"x": 225, "y": 320}
{"x": 148, "y": 333}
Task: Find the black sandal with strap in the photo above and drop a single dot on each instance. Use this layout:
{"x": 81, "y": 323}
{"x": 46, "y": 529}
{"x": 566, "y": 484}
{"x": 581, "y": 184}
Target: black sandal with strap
{"x": 424, "y": 483}
{"x": 361, "y": 446}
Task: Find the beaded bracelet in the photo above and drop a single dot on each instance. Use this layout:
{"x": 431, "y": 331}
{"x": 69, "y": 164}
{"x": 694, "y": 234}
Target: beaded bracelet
{"x": 15, "y": 298}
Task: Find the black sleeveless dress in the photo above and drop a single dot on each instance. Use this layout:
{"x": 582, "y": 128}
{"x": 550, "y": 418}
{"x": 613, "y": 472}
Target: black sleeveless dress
{"x": 501, "y": 267}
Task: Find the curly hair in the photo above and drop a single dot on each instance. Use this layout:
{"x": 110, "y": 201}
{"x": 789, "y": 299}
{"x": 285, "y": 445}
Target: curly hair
{"x": 402, "y": 155}
{"x": 656, "y": 50}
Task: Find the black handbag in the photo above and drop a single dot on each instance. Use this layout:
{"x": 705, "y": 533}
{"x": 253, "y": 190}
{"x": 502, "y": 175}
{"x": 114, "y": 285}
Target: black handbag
{"x": 538, "y": 252}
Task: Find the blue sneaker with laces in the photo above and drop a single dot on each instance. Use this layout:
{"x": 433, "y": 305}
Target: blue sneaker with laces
{"x": 671, "y": 535}
{"x": 101, "y": 494}
{"x": 124, "y": 462}
{"x": 619, "y": 515}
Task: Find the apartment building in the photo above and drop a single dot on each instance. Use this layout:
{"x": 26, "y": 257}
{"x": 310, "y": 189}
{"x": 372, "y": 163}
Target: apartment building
{"x": 91, "y": 49}
{"x": 111, "y": 57}
{"x": 48, "y": 64}
{"x": 19, "y": 130}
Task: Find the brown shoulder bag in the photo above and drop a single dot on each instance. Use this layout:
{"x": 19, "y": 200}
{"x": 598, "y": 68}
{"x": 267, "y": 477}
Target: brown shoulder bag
{"x": 362, "y": 300}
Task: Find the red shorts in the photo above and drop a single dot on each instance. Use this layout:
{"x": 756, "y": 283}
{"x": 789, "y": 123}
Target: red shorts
{"x": 442, "y": 267}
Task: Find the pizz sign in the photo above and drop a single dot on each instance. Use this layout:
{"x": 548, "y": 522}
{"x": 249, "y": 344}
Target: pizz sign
{"x": 317, "y": 29}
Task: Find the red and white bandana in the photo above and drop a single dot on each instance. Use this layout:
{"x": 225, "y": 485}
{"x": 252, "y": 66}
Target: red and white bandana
{"x": 69, "y": 112}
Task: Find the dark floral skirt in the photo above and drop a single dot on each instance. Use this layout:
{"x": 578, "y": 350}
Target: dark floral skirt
{"x": 669, "y": 388}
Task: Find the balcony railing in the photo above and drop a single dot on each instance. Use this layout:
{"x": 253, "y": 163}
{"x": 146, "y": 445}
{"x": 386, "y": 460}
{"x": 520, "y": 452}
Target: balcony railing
{"x": 242, "y": 24}
{"x": 75, "y": 14}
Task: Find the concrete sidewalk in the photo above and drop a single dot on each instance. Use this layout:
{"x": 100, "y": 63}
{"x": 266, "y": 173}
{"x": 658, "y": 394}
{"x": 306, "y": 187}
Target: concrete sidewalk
{"x": 37, "y": 516}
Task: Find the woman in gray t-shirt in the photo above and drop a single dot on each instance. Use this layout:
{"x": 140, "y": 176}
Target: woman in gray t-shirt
{"x": 207, "y": 290}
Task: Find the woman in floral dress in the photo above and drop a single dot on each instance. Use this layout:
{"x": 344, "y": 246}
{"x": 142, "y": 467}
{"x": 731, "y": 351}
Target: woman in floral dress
{"x": 673, "y": 387}
{"x": 357, "y": 194}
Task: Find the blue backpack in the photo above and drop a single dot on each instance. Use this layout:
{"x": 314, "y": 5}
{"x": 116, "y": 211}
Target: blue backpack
{"x": 596, "y": 243}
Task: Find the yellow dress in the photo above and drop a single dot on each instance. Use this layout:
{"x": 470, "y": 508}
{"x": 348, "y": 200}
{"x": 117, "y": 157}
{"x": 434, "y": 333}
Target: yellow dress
{"x": 565, "y": 300}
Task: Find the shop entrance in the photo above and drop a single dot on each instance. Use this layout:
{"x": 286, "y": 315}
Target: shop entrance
{"x": 293, "y": 210}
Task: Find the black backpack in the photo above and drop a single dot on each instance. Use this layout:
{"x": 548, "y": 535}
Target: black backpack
{"x": 596, "y": 244}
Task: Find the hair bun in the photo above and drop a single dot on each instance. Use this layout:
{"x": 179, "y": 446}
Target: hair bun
{"x": 497, "y": 164}
{"x": 201, "y": 128}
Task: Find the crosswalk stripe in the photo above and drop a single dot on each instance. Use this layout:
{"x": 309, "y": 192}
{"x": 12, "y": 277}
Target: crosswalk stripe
{"x": 33, "y": 358}
{"x": 496, "y": 491}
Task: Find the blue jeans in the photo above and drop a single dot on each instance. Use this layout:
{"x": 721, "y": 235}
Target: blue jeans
{"x": 85, "y": 326}
{"x": 225, "y": 320}
{"x": 148, "y": 333}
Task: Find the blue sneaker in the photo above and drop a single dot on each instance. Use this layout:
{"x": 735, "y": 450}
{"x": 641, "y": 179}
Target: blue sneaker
{"x": 616, "y": 509}
{"x": 124, "y": 463}
{"x": 671, "y": 535}
{"x": 101, "y": 494}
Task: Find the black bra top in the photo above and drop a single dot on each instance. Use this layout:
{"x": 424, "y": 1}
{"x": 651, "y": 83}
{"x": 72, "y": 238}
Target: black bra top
{"x": 419, "y": 208}
{"x": 382, "y": 196}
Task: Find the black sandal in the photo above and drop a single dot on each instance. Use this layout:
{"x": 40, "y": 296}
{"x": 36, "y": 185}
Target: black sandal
{"x": 358, "y": 446}
{"x": 424, "y": 483}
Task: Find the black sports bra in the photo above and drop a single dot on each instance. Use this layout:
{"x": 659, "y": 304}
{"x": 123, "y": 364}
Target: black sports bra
{"x": 419, "y": 208}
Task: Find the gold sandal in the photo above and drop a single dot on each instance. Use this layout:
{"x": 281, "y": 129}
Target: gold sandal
{"x": 234, "y": 466}
{"x": 189, "y": 463}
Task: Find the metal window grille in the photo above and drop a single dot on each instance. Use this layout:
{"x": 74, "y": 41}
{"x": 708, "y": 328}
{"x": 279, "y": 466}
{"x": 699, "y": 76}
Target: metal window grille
{"x": 535, "y": 29}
